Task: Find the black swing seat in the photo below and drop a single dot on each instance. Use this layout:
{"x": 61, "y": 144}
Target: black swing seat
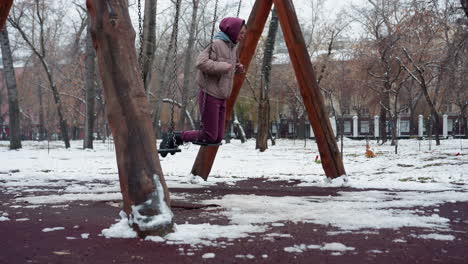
{"x": 172, "y": 151}
{"x": 205, "y": 144}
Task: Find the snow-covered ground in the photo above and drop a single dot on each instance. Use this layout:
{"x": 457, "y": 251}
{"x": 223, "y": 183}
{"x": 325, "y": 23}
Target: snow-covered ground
{"x": 384, "y": 190}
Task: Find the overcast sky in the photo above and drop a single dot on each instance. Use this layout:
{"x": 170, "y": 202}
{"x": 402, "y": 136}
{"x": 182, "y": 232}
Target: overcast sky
{"x": 303, "y": 8}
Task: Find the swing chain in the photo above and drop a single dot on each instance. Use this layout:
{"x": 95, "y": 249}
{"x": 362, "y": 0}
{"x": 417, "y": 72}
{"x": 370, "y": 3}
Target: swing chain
{"x": 238, "y": 8}
{"x": 215, "y": 17}
{"x": 203, "y": 103}
{"x": 174, "y": 72}
{"x": 140, "y": 33}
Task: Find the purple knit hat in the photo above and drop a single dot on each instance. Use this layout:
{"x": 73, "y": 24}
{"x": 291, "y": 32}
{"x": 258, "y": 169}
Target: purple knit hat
{"x": 231, "y": 26}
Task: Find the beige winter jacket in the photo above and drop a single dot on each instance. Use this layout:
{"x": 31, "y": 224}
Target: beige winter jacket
{"x": 216, "y": 72}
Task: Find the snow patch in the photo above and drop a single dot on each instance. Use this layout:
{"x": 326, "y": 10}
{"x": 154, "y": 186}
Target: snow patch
{"x": 50, "y": 229}
{"x": 208, "y": 255}
{"x": 156, "y": 239}
{"x": 437, "y": 237}
{"x": 248, "y": 256}
{"x": 120, "y": 229}
{"x": 206, "y": 234}
{"x": 336, "y": 247}
{"x": 328, "y": 246}
{"x": 347, "y": 211}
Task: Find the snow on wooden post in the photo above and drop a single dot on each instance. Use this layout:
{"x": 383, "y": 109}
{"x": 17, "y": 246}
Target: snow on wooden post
{"x": 255, "y": 24}
{"x": 310, "y": 91}
{"x": 420, "y": 126}
{"x": 445, "y": 126}
{"x": 376, "y": 126}
{"x": 5, "y": 6}
{"x": 144, "y": 190}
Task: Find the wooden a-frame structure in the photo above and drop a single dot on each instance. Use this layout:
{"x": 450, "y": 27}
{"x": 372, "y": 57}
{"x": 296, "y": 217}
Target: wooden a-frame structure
{"x": 142, "y": 183}
{"x": 313, "y": 100}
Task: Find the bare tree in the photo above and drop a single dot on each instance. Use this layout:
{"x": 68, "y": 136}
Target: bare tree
{"x": 264, "y": 101}
{"x": 90, "y": 89}
{"x": 38, "y": 11}
{"x": 383, "y": 22}
{"x": 457, "y": 76}
{"x": 10, "y": 81}
{"x": 428, "y": 50}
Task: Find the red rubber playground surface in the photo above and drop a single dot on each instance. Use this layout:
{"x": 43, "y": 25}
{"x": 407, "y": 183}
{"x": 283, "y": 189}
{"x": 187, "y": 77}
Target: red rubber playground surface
{"x": 80, "y": 241}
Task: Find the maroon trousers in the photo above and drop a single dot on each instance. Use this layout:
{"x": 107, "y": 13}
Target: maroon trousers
{"x": 213, "y": 113}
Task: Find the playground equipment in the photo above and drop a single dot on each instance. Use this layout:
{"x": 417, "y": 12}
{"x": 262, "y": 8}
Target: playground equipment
{"x": 312, "y": 97}
{"x": 143, "y": 187}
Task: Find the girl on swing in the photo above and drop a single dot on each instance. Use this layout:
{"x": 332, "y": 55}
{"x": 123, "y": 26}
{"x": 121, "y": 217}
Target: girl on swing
{"x": 216, "y": 67}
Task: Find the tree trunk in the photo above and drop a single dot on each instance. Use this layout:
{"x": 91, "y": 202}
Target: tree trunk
{"x": 262, "y": 134}
{"x": 188, "y": 68}
{"x": 90, "y": 87}
{"x": 434, "y": 114}
{"x": 149, "y": 40}
{"x": 437, "y": 128}
{"x": 10, "y": 80}
{"x": 413, "y": 120}
{"x": 384, "y": 103}
{"x": 271, "y": 137}
{"x": 395, "y": 133}
{"x": 238, "y": 129}
{"x": 341, "y": 129}
{"x": 42, "y": 128}
{"x": 144, "y": 190}
{"x": 264, "y": 104}
{"x": 62, "y": 121}
{"x": 465, "y": 122}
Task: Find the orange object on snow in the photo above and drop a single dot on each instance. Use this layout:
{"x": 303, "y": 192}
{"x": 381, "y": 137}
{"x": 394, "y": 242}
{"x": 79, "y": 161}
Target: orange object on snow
{"x": 369, "y": 153}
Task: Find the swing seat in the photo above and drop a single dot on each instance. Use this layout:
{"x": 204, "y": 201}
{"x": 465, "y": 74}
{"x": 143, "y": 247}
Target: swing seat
{"x": 164, "y": 152}
{"x": 205, "y": 144}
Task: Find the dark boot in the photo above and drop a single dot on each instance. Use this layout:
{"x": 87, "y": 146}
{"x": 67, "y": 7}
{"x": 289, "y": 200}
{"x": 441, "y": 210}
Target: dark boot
{"x": 170, "y": 140}
{"x": 167, "y": 141}
{"x": 178, "y": 138}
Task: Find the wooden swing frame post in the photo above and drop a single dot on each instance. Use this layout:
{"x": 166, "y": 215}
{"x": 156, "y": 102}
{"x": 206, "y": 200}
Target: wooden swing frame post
{"x": 310, "y": 91}
{"x": 141, "y": 178}
{"x": 5, "y": 7}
